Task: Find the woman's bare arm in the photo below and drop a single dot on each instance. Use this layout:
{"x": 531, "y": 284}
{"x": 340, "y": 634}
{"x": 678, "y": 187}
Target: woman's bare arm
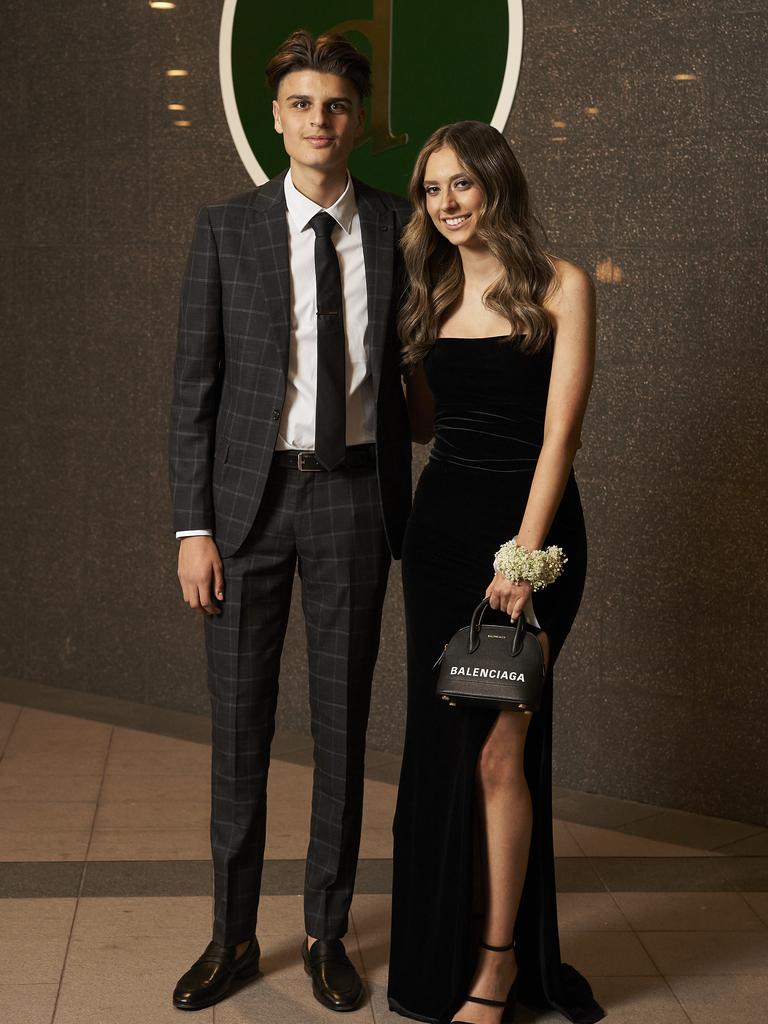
{"x": 572, "y": 308}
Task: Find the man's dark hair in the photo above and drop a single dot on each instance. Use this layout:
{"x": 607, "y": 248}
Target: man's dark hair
{"x": 330, "y": 53}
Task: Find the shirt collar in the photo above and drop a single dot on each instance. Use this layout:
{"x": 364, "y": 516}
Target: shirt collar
{"x": 302, "y": 210}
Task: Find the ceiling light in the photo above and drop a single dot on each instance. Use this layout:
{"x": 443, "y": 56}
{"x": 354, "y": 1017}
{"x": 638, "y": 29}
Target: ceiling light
{"x": 592, "y": 110}
{"x": 685, "y": 76}
{"x": 176, "y": 73}
{"x": 559, "y": 138}
{"x": 176, "y": 106}
{"x": 558, "y": 124}
{"x": 182, "y": 124}
{"x": 161, "y": 5}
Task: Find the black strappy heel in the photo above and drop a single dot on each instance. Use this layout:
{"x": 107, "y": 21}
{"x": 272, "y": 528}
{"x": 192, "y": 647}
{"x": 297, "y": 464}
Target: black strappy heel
{"x": 509, "y": 1001}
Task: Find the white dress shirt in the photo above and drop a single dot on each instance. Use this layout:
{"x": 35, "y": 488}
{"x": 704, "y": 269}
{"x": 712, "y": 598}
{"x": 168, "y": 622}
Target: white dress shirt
{"x": 297, "y": 423}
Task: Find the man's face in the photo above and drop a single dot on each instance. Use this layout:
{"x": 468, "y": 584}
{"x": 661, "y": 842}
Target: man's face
{"x": 319, "y": 116}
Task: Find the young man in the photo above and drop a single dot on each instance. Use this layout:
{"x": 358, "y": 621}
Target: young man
{"x": 290, "y": 446}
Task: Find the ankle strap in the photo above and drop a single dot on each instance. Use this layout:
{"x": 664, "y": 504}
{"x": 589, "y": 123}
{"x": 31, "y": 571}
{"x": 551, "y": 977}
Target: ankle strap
{"x": 486, "y": 1002}
{"x": 498, "y": 949}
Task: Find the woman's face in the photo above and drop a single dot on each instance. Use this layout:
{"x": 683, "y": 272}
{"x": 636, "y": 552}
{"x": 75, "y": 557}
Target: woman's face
{"x": 453, "y": 197}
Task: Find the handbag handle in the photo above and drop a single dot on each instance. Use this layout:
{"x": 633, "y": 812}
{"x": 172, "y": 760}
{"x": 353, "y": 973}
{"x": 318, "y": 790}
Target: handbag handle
{"x": 473, "y": 640}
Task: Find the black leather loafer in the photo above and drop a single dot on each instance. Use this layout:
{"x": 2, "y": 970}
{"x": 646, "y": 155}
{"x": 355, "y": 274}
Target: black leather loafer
{"x": 214, "y": 975}
{"x": 335, "y": 982}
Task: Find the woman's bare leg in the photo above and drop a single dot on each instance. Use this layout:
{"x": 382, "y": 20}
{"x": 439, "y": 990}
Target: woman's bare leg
{"x": 505, "y": 816}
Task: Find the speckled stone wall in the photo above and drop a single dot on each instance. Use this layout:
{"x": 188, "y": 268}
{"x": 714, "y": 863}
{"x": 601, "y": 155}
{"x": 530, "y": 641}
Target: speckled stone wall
{"x": 654, "y": 183}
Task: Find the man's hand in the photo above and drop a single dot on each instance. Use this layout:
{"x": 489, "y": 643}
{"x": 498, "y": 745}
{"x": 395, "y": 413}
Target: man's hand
{"x": 201, "y": 574}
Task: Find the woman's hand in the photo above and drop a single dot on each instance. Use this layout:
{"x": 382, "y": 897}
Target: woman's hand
{"x": 509, "y": 597}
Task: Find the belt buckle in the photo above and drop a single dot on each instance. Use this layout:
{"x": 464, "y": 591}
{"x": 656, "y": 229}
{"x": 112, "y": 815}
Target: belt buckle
{"x": 300, "y": 463}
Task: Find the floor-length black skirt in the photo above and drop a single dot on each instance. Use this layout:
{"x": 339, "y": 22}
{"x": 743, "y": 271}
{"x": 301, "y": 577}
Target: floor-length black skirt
{"x": 460, "y": 518}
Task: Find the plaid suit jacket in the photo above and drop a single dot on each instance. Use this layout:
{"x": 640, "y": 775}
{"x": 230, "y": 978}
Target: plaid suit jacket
{"x": 232, "y": 360}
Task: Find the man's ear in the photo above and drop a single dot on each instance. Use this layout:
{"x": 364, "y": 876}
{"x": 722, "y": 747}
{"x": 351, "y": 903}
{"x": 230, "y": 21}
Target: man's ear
{"x": 276, "y": 115}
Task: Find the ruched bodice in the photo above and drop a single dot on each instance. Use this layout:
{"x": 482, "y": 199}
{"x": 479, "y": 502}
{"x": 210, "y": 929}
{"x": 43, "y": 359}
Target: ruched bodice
{"x": 490, "y": 401}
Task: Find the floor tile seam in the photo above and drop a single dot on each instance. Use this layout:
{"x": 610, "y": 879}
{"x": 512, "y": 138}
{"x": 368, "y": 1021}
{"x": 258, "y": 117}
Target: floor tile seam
{"x": 620, "y": 910}
{"x": 365, "y": 970}
{"x": 26, "y": 984}
{"x": 149, "y": 828}
{"x": 698, "y": 931}
{"x": 709, "y": 851}
{"x": 139, "y": 827}
{"x": 579, "y": 847}
{"x": 99, "y": 708}
{"x": 66, "y": 949}
{"x": 595, "y": 862}
{"x": 698, "y": 977}
{"x": 11, "y": 730}
{"x": 82, "y": 880}
{"x": 663, "y": 978}
{"x": 695, "y": 851}
{"x": 648, "y": 953}
{"x": 625, "y": 826}
{"x": 98, "y": 803}
{"x": 26, "y": 802}
{"x": 759, "y": 830}
{"x": 34, "y": 800}
{"x": 635, "y": 821}
{"x": 755, "y": 911}
{"x": 588, "y": 798}
{"x": 359, "y": 948}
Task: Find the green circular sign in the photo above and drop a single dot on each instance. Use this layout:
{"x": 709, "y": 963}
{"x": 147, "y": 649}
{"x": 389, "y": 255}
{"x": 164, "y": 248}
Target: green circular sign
{"x": 431, "y": 65}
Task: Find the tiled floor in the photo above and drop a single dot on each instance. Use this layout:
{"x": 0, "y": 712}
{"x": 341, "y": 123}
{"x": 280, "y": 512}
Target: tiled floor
{"x": 105, "y": 884}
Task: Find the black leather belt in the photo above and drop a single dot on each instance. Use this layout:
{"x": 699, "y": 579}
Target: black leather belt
{"x": 357, "y": 455}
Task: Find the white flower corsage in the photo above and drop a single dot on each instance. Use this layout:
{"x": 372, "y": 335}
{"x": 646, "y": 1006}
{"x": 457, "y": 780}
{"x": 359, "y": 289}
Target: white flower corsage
{"x": 539, "y": 568}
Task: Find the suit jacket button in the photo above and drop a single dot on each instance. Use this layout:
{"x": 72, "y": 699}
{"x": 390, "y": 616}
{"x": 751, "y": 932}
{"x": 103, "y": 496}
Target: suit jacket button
{"x": 275, "y": 414}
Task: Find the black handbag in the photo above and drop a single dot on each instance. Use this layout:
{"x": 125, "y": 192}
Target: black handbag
{"x": 492, "y": 666}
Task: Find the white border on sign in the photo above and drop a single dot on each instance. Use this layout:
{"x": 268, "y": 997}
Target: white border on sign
{"x": 246, "y": 154}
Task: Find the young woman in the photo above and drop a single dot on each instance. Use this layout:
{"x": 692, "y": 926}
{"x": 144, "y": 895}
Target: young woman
{"x": 498, "y": 335}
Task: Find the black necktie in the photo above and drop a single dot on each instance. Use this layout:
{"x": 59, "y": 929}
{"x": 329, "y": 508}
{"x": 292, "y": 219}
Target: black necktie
{"x": 331, "y": 405}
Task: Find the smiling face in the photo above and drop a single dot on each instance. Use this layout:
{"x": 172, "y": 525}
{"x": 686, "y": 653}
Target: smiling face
{"x": 453, "y": 198}
{"x": 319, "y": 116}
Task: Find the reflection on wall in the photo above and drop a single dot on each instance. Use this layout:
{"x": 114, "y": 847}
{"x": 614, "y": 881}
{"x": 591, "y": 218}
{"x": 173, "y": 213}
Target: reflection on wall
{"x": 642, "y": 131}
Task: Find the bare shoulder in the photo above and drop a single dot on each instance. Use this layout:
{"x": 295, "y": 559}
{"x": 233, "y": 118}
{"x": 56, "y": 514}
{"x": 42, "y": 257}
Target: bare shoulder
{"x": 571, "y": 288}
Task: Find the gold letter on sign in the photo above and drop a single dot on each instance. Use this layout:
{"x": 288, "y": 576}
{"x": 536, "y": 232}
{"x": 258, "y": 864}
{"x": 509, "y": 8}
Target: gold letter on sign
{"x": 378, "y": 31}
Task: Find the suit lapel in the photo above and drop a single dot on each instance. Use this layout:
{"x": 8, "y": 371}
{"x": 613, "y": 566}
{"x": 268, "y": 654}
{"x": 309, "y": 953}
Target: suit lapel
{"x": 269, "y": 235}
{"x": 377, "y": 228}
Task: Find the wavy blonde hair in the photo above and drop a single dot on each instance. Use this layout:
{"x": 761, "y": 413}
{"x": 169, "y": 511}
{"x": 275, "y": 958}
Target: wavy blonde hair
{"x": 505, "y": 224}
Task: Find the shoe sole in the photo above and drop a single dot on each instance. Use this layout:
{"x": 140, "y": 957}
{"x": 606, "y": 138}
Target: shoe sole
{"x": 327, "y": 1003}
{"x": 238, "y": 982}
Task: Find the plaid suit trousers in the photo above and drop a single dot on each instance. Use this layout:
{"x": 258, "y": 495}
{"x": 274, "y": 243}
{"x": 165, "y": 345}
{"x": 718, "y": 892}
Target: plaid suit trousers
{"x": 329, "y": 526}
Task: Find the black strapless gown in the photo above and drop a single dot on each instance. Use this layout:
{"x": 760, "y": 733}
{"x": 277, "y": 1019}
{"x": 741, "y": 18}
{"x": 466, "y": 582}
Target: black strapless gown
{"x": 490, "y": 401}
